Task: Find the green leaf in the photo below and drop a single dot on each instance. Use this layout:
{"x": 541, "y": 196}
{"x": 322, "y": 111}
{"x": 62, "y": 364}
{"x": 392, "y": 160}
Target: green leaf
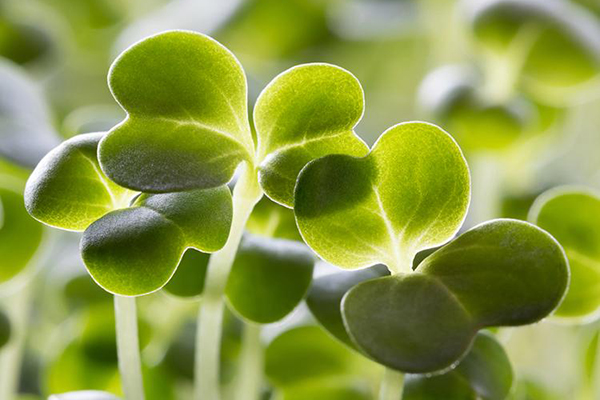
{"x": 5, "y": 329}
{"x": 187, "y": 121}
{"x": 82, "y": 292}
{"x": 326, "y": 390}
{"x": 325, "y": 298}
{"x": 556, "y": 41}
{"x": 20, "y": 235}
{"x": 484, "y": 373}
{"x": 572, "y": 216}
{"x": 188, "y": 280}
{"x": 500, "y": 273}
{"x": 451, "y": 95}
{"x": 26, "y": 133}
{"x": 68, "y": 190}
{"x": 410, "y": 193}
{"x": 135, "y": 251}
{"x": 304, "y": 354}
{"x": 269, "y": 278}
{"x": 84, "y": 395}
{"x": 272, "y": 220}
{"x": 305, "y": 113}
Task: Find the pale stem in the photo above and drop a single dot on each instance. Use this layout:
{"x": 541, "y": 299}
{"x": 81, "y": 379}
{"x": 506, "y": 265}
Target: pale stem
{"x": 392, "y": 385}
{"x": 128, "y": 348}
{"x": 210, "y": 319}
{"x": 18, "y": 308}
{"x": 486, "y": 189}
{"x": 249, "y": 381}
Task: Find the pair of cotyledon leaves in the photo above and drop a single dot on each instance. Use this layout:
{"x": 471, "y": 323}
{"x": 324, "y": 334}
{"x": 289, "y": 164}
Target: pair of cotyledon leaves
{"x": 187, "y": 130}
{"x": 572, "y": 216}
{"x": 305, "y": 362}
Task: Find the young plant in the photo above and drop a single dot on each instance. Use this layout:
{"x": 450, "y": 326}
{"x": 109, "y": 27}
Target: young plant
{"x": 408, "y": 194}
{"x": 269, "y": 278}
{"x": 187, "y": 128}
{"x": 572, "y": 216}
{"x": 551, "y": 47}
{"x": 131, "y": 244}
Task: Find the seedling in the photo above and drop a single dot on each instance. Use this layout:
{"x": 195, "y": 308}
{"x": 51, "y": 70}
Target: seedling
{"x": 551, "y": 46}
{"x": 187, "y": 128}
{"x": 131, "y": 243}
{"x": 408, "y": 194}
{"x": 572, "y": 216}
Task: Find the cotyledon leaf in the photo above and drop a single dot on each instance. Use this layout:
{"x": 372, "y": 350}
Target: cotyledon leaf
{"x": 68, "y": 190}
{"x": 572, "y": 216}
{"x": 305, "y": 113}
{"x": 135, "y": 251}
{"x": 26, "y": 132}
{"x": 20, "y": 235}
{"x": 484, "y": 373}
{"x": 188, "y": 280}
{"x": 558, "y": 41}
{"x": 187, "y": 115}
{"x": 324, "y": 299}
{"x": 270, "y": 219}
{"x": 409, "y": 193}
{"x": 269, "y": 278}
{"x": 500, "y": 273}
{"x": 187, "y": 124}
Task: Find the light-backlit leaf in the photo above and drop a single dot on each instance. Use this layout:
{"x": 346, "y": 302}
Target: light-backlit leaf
{"x": 411, "y": 192}
{"x": 269, "y": 278}
{"x": 572, "y": 216}
{"x": 136, "y": 250}
{"x": 305, "y": 113}
{"x": 500, "y": 273}
{"x": 187, "y": 125}
{"x": 68, "y": 190}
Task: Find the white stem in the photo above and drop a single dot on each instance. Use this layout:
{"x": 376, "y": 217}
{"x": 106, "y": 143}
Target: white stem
{"x": 210, "y": 319}
{"x": 486, "y": 189}
{"x": 250, "y": 368}
{"x": 128, "y": 348}
{"x": 392, "y": 385}
{"x": 18, "y": 308}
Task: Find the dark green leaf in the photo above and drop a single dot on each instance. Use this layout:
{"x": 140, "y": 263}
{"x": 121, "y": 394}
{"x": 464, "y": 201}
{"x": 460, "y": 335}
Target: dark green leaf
{"x": 188, "y": 280}
{"x": 501, "y": 273}
{"x": 269, "y": 278}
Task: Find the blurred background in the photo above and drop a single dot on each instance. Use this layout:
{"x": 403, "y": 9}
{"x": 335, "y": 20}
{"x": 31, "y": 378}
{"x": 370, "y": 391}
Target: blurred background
{"x": 516, "y": 83}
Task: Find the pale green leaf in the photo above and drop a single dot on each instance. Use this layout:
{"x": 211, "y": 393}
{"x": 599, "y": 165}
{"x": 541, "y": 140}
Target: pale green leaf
{"x": 572, "y": 216}
{"x": 410, "y": 193}
{"x": 26, "y": 131}
{"x": 305, "y": 113}
{"x": 20, "y": 235}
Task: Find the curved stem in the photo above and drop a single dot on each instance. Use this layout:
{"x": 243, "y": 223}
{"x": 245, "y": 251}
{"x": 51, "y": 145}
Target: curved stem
{"x": 208, "y": 339}
{"x": 251, "y": 364}
{"x": 128, "y": 348}
{"x": 18, "y": 309}
{"x": 392, "y": 385}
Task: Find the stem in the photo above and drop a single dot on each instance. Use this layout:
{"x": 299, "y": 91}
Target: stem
{"x": 18, "y": 311}
{"x": 208, "y": 339}
{"x": 392, "y": 385}
{"x": 486, "y": 189}
{"x": 251, "y": 364}
{"x": 128, "y": 348}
